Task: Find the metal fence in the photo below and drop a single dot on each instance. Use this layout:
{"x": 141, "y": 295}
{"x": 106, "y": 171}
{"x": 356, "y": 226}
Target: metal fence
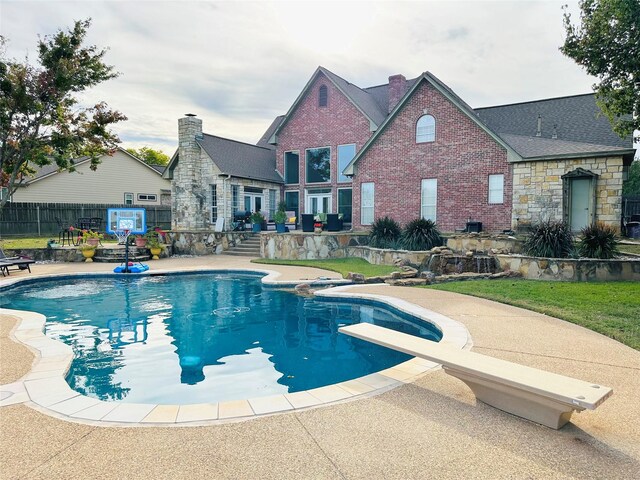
{"x": 31, "y": 219}
{"x": 630, "y": 205}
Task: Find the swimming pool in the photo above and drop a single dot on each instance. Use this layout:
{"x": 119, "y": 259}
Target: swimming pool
{"x": 194, "y": 338}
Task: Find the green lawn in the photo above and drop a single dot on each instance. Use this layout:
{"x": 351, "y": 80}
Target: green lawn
{"x": 340, "y": 265}
{"x": 34, "y": 242}
{"x": 611, "y": 308}
{"x": 629, "y": 248}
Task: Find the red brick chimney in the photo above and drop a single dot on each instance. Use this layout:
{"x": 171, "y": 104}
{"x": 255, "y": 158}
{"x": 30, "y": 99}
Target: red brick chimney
{"x": 397, "y": 89}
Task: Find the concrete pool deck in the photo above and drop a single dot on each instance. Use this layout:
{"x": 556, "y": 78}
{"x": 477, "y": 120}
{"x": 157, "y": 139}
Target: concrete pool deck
{"x": 431, "y": 428}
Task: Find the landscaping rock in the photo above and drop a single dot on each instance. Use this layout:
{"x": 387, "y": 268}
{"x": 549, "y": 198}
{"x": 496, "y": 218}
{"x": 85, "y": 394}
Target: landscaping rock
{"x": 407, "y": 282}
{"x": 355, "y": 277}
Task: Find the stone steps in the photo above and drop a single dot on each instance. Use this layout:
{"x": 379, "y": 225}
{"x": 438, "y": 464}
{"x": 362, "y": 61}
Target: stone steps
{"x": 248, "y": 248}
{"x": 116, "y": 254}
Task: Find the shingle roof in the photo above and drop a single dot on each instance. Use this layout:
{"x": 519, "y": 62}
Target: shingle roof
{"x": 578, "y": 119}
{"x": 241, "y": 159}
{"x": 264, "y": 140}
{"x": 532, "y": 147}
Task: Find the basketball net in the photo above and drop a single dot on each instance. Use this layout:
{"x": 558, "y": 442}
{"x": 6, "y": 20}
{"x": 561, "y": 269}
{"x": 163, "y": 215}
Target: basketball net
{"x": 122, "y": 236}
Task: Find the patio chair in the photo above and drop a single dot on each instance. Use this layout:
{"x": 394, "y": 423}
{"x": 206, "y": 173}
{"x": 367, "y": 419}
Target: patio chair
{"x": 21, "y": 262}
{"x": 307, "y": 222}
{"x": 64, "y": 234}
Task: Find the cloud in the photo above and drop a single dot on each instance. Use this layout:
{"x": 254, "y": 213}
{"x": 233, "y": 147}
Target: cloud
{"x": 237, "y": 65}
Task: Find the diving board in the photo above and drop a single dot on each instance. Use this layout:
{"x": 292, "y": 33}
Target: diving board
{"x": 542, "y": 397}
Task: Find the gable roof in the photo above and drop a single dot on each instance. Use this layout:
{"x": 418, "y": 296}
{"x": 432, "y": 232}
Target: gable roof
{"x": 241, "y": 159}
{"x": 53, "y": 169}
{"x": 364, "y": 101}
{"x": 264, "y": 140}
{"x": 577, "y": 118}
{"x": 512, "y": 155}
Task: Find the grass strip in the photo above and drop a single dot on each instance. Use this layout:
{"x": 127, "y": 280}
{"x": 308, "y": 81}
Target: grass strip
{"x": 341, "y": 265}
{"x": 610, "y": 308}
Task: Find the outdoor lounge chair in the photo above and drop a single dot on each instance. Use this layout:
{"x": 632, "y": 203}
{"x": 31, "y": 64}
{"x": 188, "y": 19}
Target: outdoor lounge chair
{"x": 20, "y": 262}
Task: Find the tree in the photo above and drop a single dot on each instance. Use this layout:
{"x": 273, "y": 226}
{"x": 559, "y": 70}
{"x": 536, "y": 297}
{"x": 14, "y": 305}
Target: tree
{"x": 150, "y": 156}
{"x": 41, "y": 121}
{"x": 607, "y": 45}
{"x": 631, "y": 186}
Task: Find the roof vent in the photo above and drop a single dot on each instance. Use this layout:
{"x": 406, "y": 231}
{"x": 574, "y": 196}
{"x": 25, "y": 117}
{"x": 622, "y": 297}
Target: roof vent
{"x": 539, "y": 130}
{"x": 190, "y": 115}
{"x": 555, "y": 131}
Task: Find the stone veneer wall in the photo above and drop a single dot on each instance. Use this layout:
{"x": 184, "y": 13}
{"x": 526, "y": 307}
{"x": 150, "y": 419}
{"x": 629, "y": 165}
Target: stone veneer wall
{"x": 538, "y": 194}
{"x": 307, "y": 246}
{"x": 381, "y": 256}
{"x": 480, "y": 242}
{"x": 204, "y": 243}
{"x": 536, "y": 268}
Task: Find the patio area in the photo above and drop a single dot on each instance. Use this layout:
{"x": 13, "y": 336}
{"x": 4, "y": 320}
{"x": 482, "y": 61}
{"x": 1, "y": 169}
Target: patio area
{"x": 430, "y": 428}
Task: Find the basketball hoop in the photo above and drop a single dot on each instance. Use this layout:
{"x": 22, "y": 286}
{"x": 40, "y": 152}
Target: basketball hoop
{"x": 122, "y": 236}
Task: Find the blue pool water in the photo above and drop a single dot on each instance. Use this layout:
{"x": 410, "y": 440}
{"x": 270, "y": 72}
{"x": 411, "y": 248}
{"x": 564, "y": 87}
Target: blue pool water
{"x": 196, "y": 338}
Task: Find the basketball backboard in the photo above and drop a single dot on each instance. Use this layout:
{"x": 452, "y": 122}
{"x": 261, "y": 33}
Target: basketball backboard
{"x": 132, "y": 219}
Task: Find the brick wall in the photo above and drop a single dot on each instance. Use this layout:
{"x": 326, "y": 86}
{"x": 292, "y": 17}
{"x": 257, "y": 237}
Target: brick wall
{"x": 461, "y": 158}
{"x": 311, "y": 126}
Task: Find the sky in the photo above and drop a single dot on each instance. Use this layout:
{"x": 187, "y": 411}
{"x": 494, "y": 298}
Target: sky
{"x": 239, "y": 64}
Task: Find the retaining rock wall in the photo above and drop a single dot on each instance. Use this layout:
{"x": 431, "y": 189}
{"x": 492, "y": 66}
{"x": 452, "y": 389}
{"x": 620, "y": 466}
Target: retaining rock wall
{"x": 565, "y": 269}
{"x": 308, "y": 246}
{"x": 203, "y": 242}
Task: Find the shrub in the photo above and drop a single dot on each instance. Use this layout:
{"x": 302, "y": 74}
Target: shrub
{"x": 549, "y": 239}
{"x": 384, "y": 233}
{"x": 598, "y": 241}
{"x": 421, "y": 234}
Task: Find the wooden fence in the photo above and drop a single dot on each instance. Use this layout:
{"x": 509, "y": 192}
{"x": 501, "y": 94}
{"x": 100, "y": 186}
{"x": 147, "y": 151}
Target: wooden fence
{"x": 31, "y": 219}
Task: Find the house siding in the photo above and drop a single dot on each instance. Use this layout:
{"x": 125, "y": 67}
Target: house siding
{"x": 116, "y": 175}
{"x": 461, "y": 159}
{"x": 538, "y": 189}
{"x": 311, "y": 126}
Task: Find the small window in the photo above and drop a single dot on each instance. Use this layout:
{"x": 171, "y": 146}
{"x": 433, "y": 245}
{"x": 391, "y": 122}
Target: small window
{"x": 322, "y": 96}
{"x": 367, "y": 193}
{"x": 496, "y": 188}
{"x": 128, "y": 198}
{"x": 429, "y": 199}
{"x": 426, "y": 129}
{"x": 146, "y": 197}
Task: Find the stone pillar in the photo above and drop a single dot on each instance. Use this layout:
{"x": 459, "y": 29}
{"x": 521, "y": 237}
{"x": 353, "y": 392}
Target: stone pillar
{"x": 188, "y": 191}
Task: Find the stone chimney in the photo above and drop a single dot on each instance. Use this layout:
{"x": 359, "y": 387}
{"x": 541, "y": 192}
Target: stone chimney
{"x": 188, "y": 191}
{"x": 397, "y": 89}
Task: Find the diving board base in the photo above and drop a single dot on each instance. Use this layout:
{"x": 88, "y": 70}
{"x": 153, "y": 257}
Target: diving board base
{"x": 516, "y": 401}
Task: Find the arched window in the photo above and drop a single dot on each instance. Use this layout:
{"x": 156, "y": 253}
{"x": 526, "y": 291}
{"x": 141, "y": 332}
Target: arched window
{"x": 322, "y": 96}
{"x": 426, "y": 129}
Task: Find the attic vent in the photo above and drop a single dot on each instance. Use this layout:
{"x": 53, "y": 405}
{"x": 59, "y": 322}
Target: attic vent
{"x": 322, "y": 96}
{"x": 539, "y": 129}
{"x": 555, "y": 131}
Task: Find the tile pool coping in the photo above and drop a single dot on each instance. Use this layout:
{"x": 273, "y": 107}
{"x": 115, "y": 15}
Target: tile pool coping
{"x": 45, "y": 389}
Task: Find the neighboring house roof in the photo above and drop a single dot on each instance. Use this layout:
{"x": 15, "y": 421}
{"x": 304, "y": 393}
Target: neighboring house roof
{"x": 53, "y": 169}
{"x": 577, "y": 118}
{"x": 241, "y": 159}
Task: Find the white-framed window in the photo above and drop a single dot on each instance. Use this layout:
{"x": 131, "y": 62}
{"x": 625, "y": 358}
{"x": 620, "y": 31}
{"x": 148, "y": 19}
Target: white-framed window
{"x": 235, "y": 198}
{"x": 292, "y": 168}
{"x": 318, "y": 165}
{"x": 367, "y": 197}
{"x": 128, "y": 198}
{"x": 318, "y": 200}
{"x": 429, "y": 198}
{"x": 147, "y": 197}
{"x": 272, "y": 203}
{"x": 4, "y": 194}
{"x": 214, "y": 203}
{"x": 426, "y": 129}
{"x": 345, "y": 155}
{"x": 496, "y": 188}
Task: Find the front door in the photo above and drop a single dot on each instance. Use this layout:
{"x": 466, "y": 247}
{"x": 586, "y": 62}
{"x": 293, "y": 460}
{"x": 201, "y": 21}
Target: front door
{"x": 580, "y": 214}
{"x": 318, "y": 201}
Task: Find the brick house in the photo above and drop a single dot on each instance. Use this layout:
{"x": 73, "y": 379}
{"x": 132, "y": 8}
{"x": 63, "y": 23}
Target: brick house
{"x": 413, "y": 148}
